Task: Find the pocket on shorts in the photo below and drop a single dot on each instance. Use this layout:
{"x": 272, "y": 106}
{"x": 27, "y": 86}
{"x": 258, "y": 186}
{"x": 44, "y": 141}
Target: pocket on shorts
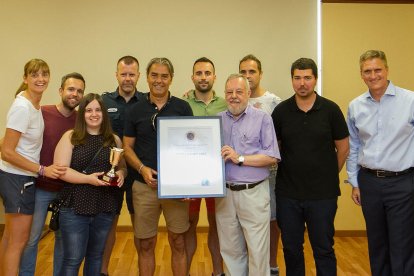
{"x": 27, "y": 197}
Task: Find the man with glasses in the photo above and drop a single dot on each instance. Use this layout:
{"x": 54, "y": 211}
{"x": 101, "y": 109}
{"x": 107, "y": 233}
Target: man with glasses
{"x": 140, "y": 144}
{"x": 243, "y": 216}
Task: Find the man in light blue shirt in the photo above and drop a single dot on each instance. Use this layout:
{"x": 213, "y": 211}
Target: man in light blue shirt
{"x": 380, "y": 166}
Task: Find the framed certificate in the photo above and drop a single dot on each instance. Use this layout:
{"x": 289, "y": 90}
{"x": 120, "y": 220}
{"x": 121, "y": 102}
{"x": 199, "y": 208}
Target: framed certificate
{"x": 189, "y": 157}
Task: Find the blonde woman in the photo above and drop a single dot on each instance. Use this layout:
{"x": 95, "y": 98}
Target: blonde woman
{"x": 20, "y": 163}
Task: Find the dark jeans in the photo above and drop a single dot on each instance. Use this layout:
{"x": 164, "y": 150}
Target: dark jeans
{"x": 388, "y": 207}
{"x": 318, "y": 215}
{"x": 83, "y": 237}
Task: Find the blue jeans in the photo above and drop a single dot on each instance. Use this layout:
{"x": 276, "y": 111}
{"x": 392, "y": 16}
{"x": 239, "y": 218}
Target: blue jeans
{"x": 319, "y": 216}
{"x": 84, "y": 237}
{"x": 28, "y": 260}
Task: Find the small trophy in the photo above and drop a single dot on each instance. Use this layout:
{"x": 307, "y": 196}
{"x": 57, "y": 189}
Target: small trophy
{"x": 114, "y": 158}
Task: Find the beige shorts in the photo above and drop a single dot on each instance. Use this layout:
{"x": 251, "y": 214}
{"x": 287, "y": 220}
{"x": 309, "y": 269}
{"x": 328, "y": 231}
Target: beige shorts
{"x": 148, "y": 209}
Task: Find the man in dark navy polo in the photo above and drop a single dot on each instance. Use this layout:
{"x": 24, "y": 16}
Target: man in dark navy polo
{"x": 127, "y": 74}
{"x": 140, "y": 145}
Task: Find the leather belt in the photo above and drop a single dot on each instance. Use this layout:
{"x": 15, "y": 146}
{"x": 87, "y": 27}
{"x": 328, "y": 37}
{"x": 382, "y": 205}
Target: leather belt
{"x": 383, "y": 173}
{"x": 241, "y": 187}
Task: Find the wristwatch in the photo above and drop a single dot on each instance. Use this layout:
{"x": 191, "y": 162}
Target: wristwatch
{"x": 241, "y": 160}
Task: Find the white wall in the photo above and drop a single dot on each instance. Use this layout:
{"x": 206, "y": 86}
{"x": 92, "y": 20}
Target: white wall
{"x": 90, "y": 36}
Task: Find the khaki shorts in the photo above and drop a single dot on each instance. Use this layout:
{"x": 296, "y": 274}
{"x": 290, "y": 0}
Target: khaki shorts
{"x": 148, "y": 209}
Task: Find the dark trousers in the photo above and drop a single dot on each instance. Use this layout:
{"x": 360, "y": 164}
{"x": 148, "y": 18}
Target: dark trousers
{"x": 388, "y": 208}
{"x": 318, "y": 215}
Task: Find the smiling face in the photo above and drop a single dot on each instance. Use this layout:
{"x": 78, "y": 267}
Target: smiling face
{"x": 237, "y": 95}
{"x": 375, "y": 75}
{"x": 203, "y": 76}
{"x": 37, "y": 82}
{"x": 72, "y": 93}
{"x": 93, "y": 117}
{"x": 159, "y": 80}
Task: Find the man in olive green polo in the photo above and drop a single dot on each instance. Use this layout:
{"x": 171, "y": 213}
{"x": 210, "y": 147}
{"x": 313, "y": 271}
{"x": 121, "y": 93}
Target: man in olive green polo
{"x": 204, "y": 102}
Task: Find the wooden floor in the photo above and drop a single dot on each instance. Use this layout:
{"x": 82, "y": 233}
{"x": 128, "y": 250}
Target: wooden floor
{"x": 351, "y": 253}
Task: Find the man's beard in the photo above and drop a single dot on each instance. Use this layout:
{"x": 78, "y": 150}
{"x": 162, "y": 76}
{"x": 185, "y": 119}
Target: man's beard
{"x": 204, "y": 90}
{"x": 68, "y": 106}
{"x": 236, "y": 110}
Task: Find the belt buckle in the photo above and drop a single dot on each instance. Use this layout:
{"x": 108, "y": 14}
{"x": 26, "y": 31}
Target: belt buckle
{"x": 380, "y": 173}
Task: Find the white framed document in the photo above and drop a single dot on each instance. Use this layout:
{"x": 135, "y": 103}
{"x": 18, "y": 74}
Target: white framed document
{"x": 189, "y": 157}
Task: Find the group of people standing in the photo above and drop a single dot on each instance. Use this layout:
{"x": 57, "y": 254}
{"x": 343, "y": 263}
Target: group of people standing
{"x": 279, "y": 155}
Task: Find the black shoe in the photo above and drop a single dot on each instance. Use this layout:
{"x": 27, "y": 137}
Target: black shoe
{"x": 274, "y": 272}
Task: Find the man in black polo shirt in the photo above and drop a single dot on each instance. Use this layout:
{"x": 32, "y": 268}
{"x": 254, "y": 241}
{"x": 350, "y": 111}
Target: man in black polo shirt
{"x": 314, "y": 144}
{"x": 126, "y": 94}
{"x": 140, "y": 144}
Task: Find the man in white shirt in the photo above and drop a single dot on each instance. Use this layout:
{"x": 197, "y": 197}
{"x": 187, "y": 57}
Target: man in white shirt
{"x": 251, "y": 67}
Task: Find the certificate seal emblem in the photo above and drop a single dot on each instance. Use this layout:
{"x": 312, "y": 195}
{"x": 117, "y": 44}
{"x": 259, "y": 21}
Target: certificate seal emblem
{"x": 190, "y": 135}
{"x": 205, "y": 182}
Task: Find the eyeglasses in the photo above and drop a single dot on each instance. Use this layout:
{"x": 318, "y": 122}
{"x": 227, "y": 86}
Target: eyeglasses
{"x": 154, "y": 121}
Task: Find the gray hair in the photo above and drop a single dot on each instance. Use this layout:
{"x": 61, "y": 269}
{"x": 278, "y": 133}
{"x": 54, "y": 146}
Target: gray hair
{"x": 163, "y": 61}
{"x": 236, "y": 76}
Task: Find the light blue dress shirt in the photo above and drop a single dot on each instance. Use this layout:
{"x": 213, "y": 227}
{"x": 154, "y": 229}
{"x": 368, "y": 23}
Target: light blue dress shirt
{"x": 381, "y": 133}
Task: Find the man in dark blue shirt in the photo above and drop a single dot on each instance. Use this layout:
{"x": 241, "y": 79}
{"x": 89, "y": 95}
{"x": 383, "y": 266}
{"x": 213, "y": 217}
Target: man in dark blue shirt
{"x": 126, "y": 94}
{"x": 140, "y": 145}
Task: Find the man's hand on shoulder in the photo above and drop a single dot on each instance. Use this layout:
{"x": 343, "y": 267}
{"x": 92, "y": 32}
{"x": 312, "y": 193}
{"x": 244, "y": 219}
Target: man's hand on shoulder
{"x": 186, "y": 95}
